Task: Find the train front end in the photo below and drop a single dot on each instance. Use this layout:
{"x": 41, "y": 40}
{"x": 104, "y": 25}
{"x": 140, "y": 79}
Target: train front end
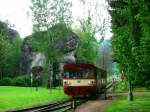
{"x": 79, "y": 80}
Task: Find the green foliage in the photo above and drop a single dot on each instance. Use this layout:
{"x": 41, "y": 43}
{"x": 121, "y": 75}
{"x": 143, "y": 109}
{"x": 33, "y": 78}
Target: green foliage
{"x": 23, "y": 81}
{"x": 130, "y": 25}
{"x": 6, "y": 82}
{"x": 140, "y": 104}
{"x": 10, "y": 52}
{"x": 87, "y": 50}
{"x": 48, "y": 13}
{"x": 10, "y": 55}
{"x": 121, "y": 86}
{"x": 46, "y": 41}
{"x": 24, "y": 97}
{"x": 51, "y": 19}
{"x": 50, "y": 28}
{"x": 14, "y": 57}
{"x": 4, "y": 46}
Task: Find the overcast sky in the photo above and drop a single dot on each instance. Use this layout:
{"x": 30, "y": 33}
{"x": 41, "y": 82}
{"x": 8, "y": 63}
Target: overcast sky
{"x": 15, "y": 11}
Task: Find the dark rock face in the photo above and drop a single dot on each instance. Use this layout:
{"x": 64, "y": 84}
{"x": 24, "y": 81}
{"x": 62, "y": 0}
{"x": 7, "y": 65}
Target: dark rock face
{"x": 67, "y": 45}
{"x": 29, "y": 58}
{"x": 11, "y": 33}
{"x": 26, "y": 59}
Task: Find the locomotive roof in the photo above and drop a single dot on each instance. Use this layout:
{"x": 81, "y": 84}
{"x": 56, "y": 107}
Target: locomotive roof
{"x": 83, "y": 65}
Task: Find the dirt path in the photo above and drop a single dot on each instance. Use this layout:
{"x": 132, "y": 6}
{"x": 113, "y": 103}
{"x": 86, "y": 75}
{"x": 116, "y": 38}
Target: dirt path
{"x": 94, "y": 106}
{"x": 100, "y": 104}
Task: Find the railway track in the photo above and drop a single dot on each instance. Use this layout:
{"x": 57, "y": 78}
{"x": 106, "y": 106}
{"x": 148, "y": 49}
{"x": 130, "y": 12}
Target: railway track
{"x": 60, "y": 106}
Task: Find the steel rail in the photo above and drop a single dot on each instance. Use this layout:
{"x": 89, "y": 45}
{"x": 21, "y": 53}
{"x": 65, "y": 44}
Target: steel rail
{"x": 61, "y": 106}
{"x": 48, "y": 107}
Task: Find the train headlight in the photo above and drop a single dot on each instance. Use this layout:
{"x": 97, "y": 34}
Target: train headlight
{"x": 67, "y": 83}
{"x": 91, "y": 82}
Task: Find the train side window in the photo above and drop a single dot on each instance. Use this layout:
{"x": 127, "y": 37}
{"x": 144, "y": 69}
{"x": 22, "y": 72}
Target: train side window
{"x": 86, "y": 73}
{"x": 67, "y": 74}
{"x": 72, "y": 75}
{"x": 90, "y": 73}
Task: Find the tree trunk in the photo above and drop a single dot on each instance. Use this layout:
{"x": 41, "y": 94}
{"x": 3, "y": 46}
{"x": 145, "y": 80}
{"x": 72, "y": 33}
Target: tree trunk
{"x": 130, "y": 93}
{"x": 51, "y": 75}
{"x": 1, "y": 73}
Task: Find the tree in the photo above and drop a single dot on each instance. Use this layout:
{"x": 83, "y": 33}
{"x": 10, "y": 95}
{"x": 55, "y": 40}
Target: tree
{"x": 14, "y": 58}
{"x": 92, "y": 26}
{"x": 4, "y": 44}
{"x": 10, "y": 57}
{"x": 123, "y": 29}
{"x": 10, "y": 51}
{"x": 48, "y": 13}
{"x": 130, "y": 39}
{"x": 87, "y": 50}
{"x": 51, "y": 20}
{"x": 93, "y": 13}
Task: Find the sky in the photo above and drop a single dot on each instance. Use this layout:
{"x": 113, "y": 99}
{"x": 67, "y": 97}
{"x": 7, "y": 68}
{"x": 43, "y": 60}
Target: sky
{"x": 16, "y": 13}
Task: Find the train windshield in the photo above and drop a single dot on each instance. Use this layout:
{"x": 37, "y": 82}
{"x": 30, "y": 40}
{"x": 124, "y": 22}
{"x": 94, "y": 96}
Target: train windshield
{"x": 80, "y": 73}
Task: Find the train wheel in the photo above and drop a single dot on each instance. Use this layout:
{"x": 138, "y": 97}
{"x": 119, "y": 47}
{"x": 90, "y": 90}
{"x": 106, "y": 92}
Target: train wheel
{"x": 94, "y": 96}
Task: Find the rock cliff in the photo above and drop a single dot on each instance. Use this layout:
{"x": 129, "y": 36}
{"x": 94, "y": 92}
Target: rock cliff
{"x": 7, "y": 30}
{"x": 31, "y": 59}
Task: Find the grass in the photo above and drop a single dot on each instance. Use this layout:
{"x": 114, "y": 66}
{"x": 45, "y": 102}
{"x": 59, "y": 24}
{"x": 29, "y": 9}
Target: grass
{"x": 22, "y": 97}
{"x": 141, "y": 103}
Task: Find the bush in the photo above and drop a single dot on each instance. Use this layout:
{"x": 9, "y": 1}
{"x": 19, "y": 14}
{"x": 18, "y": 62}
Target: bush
{"x": 25, "y": 81}
{"x": 6, "y": 81}
{"x": 18, "y": 81}
{"x": 22, "y": 81}
{"x": 121, "y": 85}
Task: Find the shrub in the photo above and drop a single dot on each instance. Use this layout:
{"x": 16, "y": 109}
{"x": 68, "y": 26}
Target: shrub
{"x": 22, "y": 81}
{"x": 6, "y": 81}
{"x": 121, "y": 85}
{"x": 25, "y": 81}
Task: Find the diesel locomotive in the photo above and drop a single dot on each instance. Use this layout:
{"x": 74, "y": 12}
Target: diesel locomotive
{"x": 83, "y": 80}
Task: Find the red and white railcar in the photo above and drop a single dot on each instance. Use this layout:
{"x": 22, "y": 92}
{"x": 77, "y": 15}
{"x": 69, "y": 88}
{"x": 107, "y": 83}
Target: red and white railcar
{"x": 83, "y": 79}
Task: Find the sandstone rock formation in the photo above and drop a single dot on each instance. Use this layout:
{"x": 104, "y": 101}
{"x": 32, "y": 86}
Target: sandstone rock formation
{"x": 31, "y": 59}
{"x": 7, "y": 30}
